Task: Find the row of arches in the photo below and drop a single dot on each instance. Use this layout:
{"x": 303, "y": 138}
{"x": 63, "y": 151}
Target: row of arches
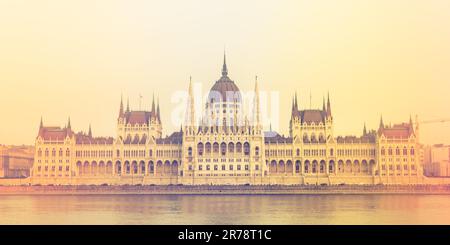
{"x": 53, "y": 151}
{"x": 321, "y": 166}
{"x": 223, "y": 148}
{"x": 313, "y": 138}
{"x": 166, "y": 168}
{"x": 94, "y": 168}
{"x": 390, "y": 151}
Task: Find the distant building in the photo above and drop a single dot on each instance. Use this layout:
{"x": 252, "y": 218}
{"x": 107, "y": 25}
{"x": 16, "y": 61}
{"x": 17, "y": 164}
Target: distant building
{"x": 228, "y": 147}
{"x": 16, "y": 161}
{"x": 437, "y": 160}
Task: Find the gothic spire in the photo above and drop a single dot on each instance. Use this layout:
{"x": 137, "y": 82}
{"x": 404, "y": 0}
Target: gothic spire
{"x": 121, "y": 106}
{"x": 293, "y": 105}
{"x": 90, "y": 131}
{"x": 328, "y": 105}
{"x": 323, "y": 104}
{"x": 224, "y": 67}
{"x": 364, "y": 129}
{"x": 381, "y": 122}
{"x": 68, "y": 124}
{"x": 256, "y": 103}
{"x": 128, "y": 104}
{"x": 296, "y": 104}
{"x": 41, "y": 125}
{"x": 153, "y": 103}
{"x": 190, "y": 113}
{"x": 158, "y": 112}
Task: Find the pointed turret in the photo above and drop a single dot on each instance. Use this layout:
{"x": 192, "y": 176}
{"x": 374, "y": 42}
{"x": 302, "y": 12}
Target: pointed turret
{"x": 90, "y": 131}
{"x": 190, "y": 110}
{"x": 224, "y": 67}
{"x": 158, "y": 114}
{"x": 295, "y": 102}
{"x": 41, "y": 124}
{"x": 68, "y": 124}
{"x": 323, "y": 103}
{"x": 381, "y": 123}
{"x": 328, "y": 106}
{"x": 417, "y": 127}
{"x": 256, "y": 109}
{"x": 293, "y": 107}
{"x": 121, "y": 107}
{"x": 128, "y": 104}
{"x": 364, "y": 129}
{"x": 153, "y": 103}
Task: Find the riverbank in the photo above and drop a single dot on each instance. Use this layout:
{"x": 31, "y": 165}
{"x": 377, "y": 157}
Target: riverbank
{"x": 224, "y": 190}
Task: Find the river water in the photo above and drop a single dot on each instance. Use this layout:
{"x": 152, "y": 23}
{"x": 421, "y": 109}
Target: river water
{"x": 225, "y": 209}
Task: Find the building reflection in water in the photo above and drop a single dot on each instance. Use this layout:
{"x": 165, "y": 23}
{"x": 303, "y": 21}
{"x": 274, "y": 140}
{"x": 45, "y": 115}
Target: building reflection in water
{"x": 225, "y": 209}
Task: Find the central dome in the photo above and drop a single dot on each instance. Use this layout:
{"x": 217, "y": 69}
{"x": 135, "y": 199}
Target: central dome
{"x": 224, "y": 90}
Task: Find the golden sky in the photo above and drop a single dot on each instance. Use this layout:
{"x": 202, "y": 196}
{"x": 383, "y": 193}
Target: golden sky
{"x": 76, "y": 58}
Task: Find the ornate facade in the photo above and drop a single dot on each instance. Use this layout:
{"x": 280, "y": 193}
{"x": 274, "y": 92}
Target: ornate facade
{"x": 227, "y": 147}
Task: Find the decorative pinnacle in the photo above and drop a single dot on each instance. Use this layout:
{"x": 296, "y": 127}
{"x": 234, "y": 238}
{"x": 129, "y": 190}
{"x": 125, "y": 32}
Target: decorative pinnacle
{"x": 224, "y": 67}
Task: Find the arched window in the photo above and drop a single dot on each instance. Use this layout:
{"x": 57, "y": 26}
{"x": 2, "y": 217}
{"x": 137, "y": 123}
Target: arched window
{"x": 412, "y": 151}
{"x": 208, "y": 148}
{"x": 390, "y": 151}
{"x": 231, "y": 147}
{"x": 331, "y": 167}
{"x": 60, "y": 152}
{"x": 67, "y": 152}
{"x": 305, "y": 138}
{"x": 238, "y": 147}
{"x": 223, "y": 148}
{"x": 151, "y": 167}
{"x": 127, "y": 167}
{"x": 190, "y": 151}
{"x": 200, "y": 149}
{"x": 298, "y": 152}
{"x": 405, "y": 151}
{"x": 383, "y": 151}
{"x": 257, "y": 151}
{"x": 246, "y": 148}
{"x": 313, "y": 138}
{"x": 321, "y": 138}
{"x": 53, "y": 152}
{"x": 297, "y": 166}
{"x": 397, "y": 151}
{"x": 39, "y": 152}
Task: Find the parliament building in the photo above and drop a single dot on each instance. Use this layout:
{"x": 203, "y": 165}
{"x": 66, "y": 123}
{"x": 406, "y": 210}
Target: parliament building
{"x": 227, "y": 147}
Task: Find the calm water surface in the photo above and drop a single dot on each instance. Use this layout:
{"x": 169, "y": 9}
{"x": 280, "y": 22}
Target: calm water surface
{"x": 225, "y": 209}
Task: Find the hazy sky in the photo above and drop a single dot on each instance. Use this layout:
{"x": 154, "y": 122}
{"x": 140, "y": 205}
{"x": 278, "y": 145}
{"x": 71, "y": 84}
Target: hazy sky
{"x": 76, "y": 58}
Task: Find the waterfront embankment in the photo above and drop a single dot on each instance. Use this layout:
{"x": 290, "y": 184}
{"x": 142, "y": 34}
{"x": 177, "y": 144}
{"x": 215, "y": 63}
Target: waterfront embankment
{"x": 224, "y": 189}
